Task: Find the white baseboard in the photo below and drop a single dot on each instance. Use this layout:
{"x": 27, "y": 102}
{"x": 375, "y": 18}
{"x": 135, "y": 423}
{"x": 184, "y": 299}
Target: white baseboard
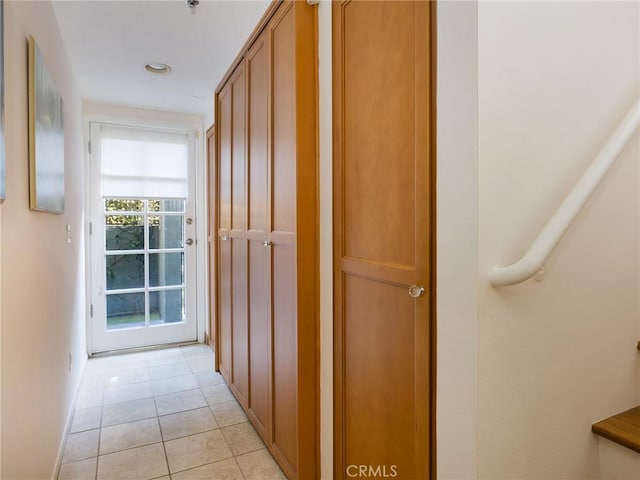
{"x": 67, "y": 424}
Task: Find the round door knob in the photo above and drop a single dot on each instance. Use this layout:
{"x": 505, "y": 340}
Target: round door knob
{"x": 266, "y": 243}
{"x": 189, "y": 241}
{"x": 415, "y": 291}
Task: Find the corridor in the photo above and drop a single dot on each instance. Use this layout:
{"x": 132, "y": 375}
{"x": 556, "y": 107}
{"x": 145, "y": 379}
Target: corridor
{"x": 161, "y": 414}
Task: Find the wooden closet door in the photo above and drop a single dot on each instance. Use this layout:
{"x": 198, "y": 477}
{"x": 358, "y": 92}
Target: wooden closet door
{"x": 239, "y": 319}
{"x": 278, "y": 271}
{"x": 283, "y": 236}
{"x": 223, "y": 340}
{"x": 259, "y": 402}
{"x": 382, "y": 124}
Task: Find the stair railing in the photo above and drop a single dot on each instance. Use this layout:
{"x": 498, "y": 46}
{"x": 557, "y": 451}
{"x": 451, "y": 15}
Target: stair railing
{"x": 533, "y": 261}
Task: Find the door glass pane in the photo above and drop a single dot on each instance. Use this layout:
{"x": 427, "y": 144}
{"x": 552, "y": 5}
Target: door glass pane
{"x": 123, "y": 205}
{"x": 124, "y": 232}
{"x": 166, "y": 269}
{"x": 125, "y": 224}
{"x": 125, "y": 271}
{"x": 165, "y": 231}
{"x": 166, "y": 205}
{"x": 166, "y": 306}
{"x": 125, "y": 310}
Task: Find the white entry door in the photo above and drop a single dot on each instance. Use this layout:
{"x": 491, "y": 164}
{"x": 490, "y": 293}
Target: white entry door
{"x": 142, "y": 237}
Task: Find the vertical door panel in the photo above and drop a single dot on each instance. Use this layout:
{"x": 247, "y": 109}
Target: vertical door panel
{"x": 259, "y": 339}
{"x": 283, "y": 177}
{"x": 379, "y": 414}
{"x": 284, "y": 353}
{"x": 259, "y": 298}
{"x": 382, "y": 342}
{"x": 284, "y": 120}
{"x": 224, "y": 244}
{"x": 240, "y": 361}
{"x": 379, "y": 152}
{"x": 257, "y": 72}
{"x": 240, "y": 353}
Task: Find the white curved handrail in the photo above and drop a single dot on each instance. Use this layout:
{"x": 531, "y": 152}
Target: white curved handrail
{"x": 543, "y": 245}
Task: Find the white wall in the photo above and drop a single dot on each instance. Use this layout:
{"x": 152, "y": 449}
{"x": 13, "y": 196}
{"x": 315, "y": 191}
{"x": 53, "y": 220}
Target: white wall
{"x": 326, "y": 238}
{"x": 554, "y": 78}
{"x": 43, "y": 308}
{"x": 457, "y": 239}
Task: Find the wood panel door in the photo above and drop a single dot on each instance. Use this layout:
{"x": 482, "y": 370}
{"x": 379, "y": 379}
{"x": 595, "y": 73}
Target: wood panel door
{"x": 223, "y": 337}
{"x": 272, "y": 259}
{"x": 238, "y": 234}
{"x": 259, "y": 401}
{"x": 384, "y": 291}
{"x": 294, "y": 236}
{"x": 282, "y": 234}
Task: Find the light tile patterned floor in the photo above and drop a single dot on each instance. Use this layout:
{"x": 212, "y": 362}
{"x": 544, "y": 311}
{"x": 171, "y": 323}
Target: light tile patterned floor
{"x": 162, "y": 414}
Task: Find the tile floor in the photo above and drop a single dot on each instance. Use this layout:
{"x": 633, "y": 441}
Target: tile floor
{"x": 162, "y": 414}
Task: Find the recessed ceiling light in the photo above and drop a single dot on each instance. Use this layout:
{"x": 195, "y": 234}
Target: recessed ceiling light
{"x": 157, "y": 68}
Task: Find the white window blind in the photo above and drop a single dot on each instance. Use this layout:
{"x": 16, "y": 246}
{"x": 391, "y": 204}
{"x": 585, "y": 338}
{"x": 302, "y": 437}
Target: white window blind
{"x": 139, "y": 163}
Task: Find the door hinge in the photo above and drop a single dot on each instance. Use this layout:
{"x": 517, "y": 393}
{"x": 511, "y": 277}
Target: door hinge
{"x": 91, "y": 313}
{"x": 90, "y": 228}
{"x": 89, "y": 146}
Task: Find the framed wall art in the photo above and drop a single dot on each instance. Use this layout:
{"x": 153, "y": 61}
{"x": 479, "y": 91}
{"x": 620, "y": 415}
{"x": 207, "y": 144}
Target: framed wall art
{"x": 46, "y": 137}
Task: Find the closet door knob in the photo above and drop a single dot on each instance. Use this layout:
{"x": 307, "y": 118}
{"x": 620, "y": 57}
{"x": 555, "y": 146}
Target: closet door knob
{"x": 415, "y": 291}
{"x": 266, "y": 243}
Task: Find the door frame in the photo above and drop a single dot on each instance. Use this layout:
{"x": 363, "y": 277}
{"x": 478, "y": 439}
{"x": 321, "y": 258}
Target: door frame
{"x": 337, "y": 339}
{"x": 212, "y": 240}
{"x": 95, "y": 113}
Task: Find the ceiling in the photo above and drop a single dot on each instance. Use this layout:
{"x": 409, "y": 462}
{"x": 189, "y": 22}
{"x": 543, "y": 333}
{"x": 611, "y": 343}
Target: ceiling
{"x": 109, "y": 43}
